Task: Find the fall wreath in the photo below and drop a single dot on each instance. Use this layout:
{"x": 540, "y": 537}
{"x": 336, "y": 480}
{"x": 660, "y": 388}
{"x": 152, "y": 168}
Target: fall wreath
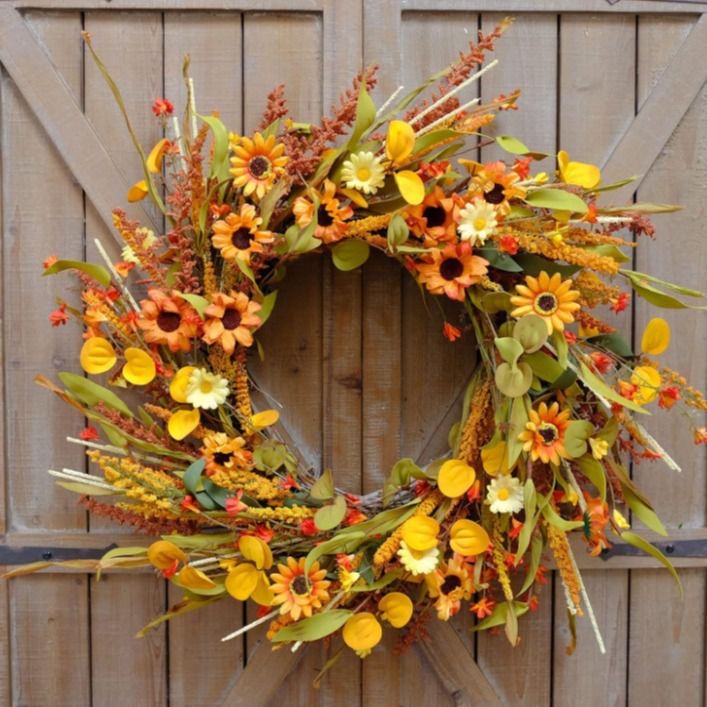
{"x": 549, "y": 417}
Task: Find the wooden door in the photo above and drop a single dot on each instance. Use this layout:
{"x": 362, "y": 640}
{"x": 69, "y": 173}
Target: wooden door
{"x": 360, "y": 367}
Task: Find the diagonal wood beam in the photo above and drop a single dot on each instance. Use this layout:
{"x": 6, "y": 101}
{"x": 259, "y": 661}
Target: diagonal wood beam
{"x": 51, "y": 100}
{"x": 458, "y": 672}
{"x": 663, "y": 110}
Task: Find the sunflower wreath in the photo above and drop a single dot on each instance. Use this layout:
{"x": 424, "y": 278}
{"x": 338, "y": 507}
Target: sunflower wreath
{"x": 550, "y": 415}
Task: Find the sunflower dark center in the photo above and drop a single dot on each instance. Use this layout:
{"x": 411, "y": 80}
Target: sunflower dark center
{"x": 546, "y": 303}
{"x": 222, "y": 458}
{"x": 324, "y": 217}
{"x": 451, "y": 268}
{"x": 435, "y": 216}
{"x": 450, "y": 583}
{"x": 548, "y": 432}
{"x": 299, "y": 586}
{"x": 241, "y": 239}
{"x": 231, "y": 319}
{"x": 496, "y": 195}
{"x": 168, "y": 321}
{"x": 259, "y": 166}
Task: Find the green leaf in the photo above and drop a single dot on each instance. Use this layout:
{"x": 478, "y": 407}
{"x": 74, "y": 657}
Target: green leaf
{"x": 323, "y": 488}
{"x": 403, "y": 470}
{"x": 97, "y": 272}
{"x": 184, "y": 607}
{"x": 202, "y": 541}
{"x": 637, "y": 541}
{"x": 559, "y": 199}
{"x": 643, "y": 512}
{"x": 328, "y": 517}
{"x": 197, "y": 301}
{"x": 610, "y": 251}
{"x": 219, "y": 162}
{"x": 513, "y": 380}
{"x": 615, "y": 185}
{"x": 594, "y": 471}
{"x": 266, "y": 306}
{"x": 398, "y": 232}
{"x": 536, "y": 551}
{"x": 499, "y": 615}
{"x": 518, "y": 419}
{"x": 597, "y": 386}
{"x": 115, "y": 436}
{"x": 217, "y": 494}
{"x": 641, "y": 283}
{"x": 499, "y": 260}
{"x": 509, "y": 348}
{"x": 350, "y": 254}
{"x": 553, "y": 518}
{"x": 544, "y": 366}
{"x": 511, "y": 144}
{"x": 576, "y": 436}
{"x": 315, "y": 627}
{"x": 535, "y": 264}
{"x": 193, "y": 474}
{"x": 530, "y": 497}
{"x": 365, "y": 116}
{"x": 87, "y": 489}
{"x": 614, "y": 343}
{"x": 346, "y": 541}
{"x": 531, "y": 332}
{"x": 91, "y": 393}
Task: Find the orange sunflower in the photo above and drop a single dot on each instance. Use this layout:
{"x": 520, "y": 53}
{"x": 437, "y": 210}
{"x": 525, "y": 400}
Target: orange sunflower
{"x": 299, "y": 592}
{"x": 168, "y": 320}
{"x": 257, "y": 163}
{"x": 548, "y": 297}
{"x": 230, "y": 319}
{"x": 434, "y": 220}
{"x": 331, "y": 216}
{"x": 452, "y": 270}
{"x": 495, "y": 184}
{"x": 544, "y": 434}
{"x": 449, "y": 584}
{"x": 239, "y": 235}
{"x": 223, "y": 452}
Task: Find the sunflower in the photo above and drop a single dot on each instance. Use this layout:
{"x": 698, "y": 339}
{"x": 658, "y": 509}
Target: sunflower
{"x": 548, "y": 297}
{"x": 449, "y": 584}
{"x": 363, "y": 171}
{"x": 452, "y": 270}
{"x": 495, "y": 184}
{"x": 256, "y": 164}
{"x": 239, "y": 235}
{"x": 223, "y": 452}
{"x": 230, "y": 319}
{"x": 297, "y": 591}
{"x": 331, "y": 216}
{"x": 435, "y": 219}
{"x": 168, "y": 320}
{"x": 544, "y": 434}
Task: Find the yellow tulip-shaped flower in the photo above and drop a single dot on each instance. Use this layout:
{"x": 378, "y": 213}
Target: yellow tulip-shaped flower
{"x": 192, "y": 578}
{"x": 178, "y": 386}
{"x": 396, "y": 608}
{"x": 455, "y": 478}
{"x": 139, "y": 368}
{"x": 656, "y": 337}
{"x": 362, "y": 633}
{"x": 399, "y": 142}
{"x": 97, "y": 355}
{"x": 248, "y": 579}
{"x": 468, "y": 538}
{"x": 648, "y": 381}
{"x": 182, "y": 423}
{"x": 420, "y": 533}
{"x": 162, "y": 554}
{"x": 138, "y": 191}
{"x": 583, "y": 175}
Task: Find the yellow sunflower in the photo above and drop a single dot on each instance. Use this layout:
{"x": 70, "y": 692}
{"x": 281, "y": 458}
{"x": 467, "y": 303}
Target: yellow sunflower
{"x": 495, "y": 184}
{"x": 239, "y": 235}
{"x": 449, "y": 584}
{"x": 257, "y": 163}
{"x": 451, "y": 271}
{"x": 299, "y": 592}
{"x": 548, "y": 297}
{"x": 544, "y": 434}
{"x": 223, "y": 452}
{"x": 435, "y": 219}
{"x": 230, "y": 319}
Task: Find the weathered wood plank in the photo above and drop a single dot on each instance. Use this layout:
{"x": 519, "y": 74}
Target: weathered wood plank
{"x": 166, "y": 5}
{"x": 588, "y": 131}
{"x": 51, "y": 100}
{"x": 39, "y": 222}
{"x": 586, "y": 7}
{"x": 665, "y": 633}
{"x": 5, "y": 652}
{"x": 50, "y": 641}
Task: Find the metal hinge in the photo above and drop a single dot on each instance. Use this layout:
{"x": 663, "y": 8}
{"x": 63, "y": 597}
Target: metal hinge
{"x": 21, "y": 555}
{"x": 676, "y": 548}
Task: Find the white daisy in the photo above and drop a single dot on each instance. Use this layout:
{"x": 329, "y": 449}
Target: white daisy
{"x": 478, "y": 220}
{"x": 206, "y": 390}
{"x": 418, "y": 562}
{"x": 363, "y": 171}
{"x": 505, "y": 495}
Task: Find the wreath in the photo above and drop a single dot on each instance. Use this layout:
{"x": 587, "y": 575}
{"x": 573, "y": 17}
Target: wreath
{"x": 549, "y": 416}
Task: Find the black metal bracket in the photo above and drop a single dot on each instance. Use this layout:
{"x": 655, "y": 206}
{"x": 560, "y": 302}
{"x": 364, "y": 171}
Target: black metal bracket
{"x": 677, "y": 548}
{"x": 21, "y": 555}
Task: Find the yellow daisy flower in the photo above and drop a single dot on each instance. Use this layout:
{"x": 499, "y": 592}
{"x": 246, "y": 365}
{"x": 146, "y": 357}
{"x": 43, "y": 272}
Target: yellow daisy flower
{"x": 256, "y": 164}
